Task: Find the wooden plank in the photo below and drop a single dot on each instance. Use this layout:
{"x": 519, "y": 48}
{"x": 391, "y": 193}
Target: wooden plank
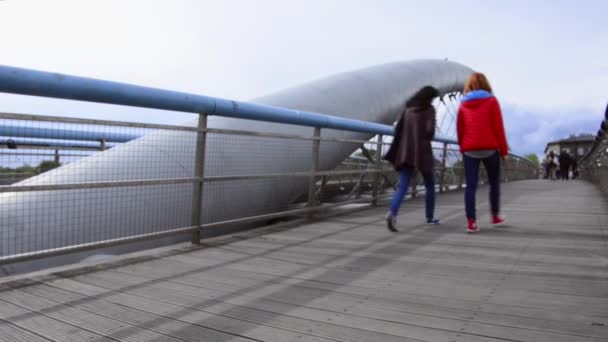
{"x": 198, "y": 312}
{"x": 12, "y": 333}
{"x": 455, "y": 273}
{"x": 329, "y": 304}
{"x": 183, "y": 323}
{"x": 171, "y": 267}
{"x": 110, "y": 328}
{"x": 348, "y": 279}
{"x": 589, "y": 288}
{"x": 588, "y": 265}
{"x": 42, "y": 325}
{"x": 403, "y": 331}
{"x": 166, "y": 325}
{"x": 466, "y": 292}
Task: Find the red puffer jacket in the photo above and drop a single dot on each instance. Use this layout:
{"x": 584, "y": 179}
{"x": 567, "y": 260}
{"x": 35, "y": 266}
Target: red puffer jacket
{"x": 479, "y": 123}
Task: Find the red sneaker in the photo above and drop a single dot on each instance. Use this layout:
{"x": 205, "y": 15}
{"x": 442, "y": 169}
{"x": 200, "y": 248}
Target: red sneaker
{"x": 497, "y": 220}
{"x": 472, "y": 226}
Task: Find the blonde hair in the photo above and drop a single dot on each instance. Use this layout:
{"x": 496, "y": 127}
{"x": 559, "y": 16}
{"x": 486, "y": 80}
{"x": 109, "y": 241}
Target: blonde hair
{"x": 477, "y": 81}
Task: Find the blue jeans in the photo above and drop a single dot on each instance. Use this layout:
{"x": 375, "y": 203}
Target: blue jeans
{"x": 471, "y": 170}
{"x": 404, "y": 182}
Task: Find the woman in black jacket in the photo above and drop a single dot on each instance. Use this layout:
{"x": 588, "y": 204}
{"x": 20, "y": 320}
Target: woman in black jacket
{"x": 411, "y": 150}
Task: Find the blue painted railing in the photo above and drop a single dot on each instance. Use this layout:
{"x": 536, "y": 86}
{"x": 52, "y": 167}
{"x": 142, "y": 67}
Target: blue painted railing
{"x": 53, "y": 144}
{"x": 63, "y": 134}
{"x": 40, "y": 83}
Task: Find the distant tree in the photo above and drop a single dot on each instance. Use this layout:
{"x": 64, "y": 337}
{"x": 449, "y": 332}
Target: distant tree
{"x": 44, "y": 166}
{"x": 26, "y": 169}
{"x": 47, "y": 165}
{"x": 533, "y": 158}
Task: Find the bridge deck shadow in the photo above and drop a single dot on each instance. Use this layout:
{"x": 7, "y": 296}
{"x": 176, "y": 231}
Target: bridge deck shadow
{"x": 543, "y": 277}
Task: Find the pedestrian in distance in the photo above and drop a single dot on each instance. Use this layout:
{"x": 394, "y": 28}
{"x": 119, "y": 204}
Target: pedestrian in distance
{"x": 481, "y": 136}
{"x": 565, "y": 161}
{"x": 551, "y": 165}
{"x": 547, "y": 167}
{"x": 574, "y": 168}
{"x": 556, "y": 170}
{"x": 411, "y": 151}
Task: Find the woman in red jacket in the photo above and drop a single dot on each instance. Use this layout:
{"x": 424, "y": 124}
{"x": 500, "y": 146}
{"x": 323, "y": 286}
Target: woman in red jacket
{"x": 481, "y": 136}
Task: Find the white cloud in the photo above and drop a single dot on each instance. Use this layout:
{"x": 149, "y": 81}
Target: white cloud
{"x": 530, "y": 128}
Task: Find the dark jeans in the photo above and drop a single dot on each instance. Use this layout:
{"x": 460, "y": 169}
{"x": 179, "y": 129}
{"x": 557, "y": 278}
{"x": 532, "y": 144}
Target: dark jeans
{"x": 564, "y": 172}
{"x": 429, "y": 196}
{"x": 471, "y": 169}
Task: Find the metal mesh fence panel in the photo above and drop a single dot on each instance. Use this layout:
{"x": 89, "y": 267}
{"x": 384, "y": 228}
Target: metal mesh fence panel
{"x": 86, "y": 156}
{"x": 241, "y": 155}
{"x": 68, "y": 184}
{"x": 594, "y": 167}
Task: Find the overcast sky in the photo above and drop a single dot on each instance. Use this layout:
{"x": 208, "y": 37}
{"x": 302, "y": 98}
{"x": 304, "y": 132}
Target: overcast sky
{"x": 547, "y": 60}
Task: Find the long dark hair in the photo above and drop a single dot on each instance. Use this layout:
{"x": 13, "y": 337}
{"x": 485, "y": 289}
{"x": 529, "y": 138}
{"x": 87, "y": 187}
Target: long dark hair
{"x": 423, "y": 97}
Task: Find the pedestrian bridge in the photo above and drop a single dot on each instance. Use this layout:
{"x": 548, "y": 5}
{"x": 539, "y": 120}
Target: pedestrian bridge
{"x": 116, "y": 191}
{"x": 345, "y": 277}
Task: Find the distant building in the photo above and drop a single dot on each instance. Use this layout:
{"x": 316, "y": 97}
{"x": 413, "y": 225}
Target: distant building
{"x": 575, "y": 145}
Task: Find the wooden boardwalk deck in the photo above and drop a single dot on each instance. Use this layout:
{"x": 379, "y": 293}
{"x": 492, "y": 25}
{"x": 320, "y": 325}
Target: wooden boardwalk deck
{"x": 544, "y": 277}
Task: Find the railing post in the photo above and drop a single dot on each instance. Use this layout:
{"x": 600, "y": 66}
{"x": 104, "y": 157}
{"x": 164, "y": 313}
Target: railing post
{"x": 377, "y": 175}
{"x": 199, "y": 172}
{"x": 316, "y": 143}
{"x": 443, "y": 163}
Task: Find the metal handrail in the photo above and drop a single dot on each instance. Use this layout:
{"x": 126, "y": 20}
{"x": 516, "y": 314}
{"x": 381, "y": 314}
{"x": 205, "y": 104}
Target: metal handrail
{"x": 40, "y": 83}
{"x": 63, "y": 134}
